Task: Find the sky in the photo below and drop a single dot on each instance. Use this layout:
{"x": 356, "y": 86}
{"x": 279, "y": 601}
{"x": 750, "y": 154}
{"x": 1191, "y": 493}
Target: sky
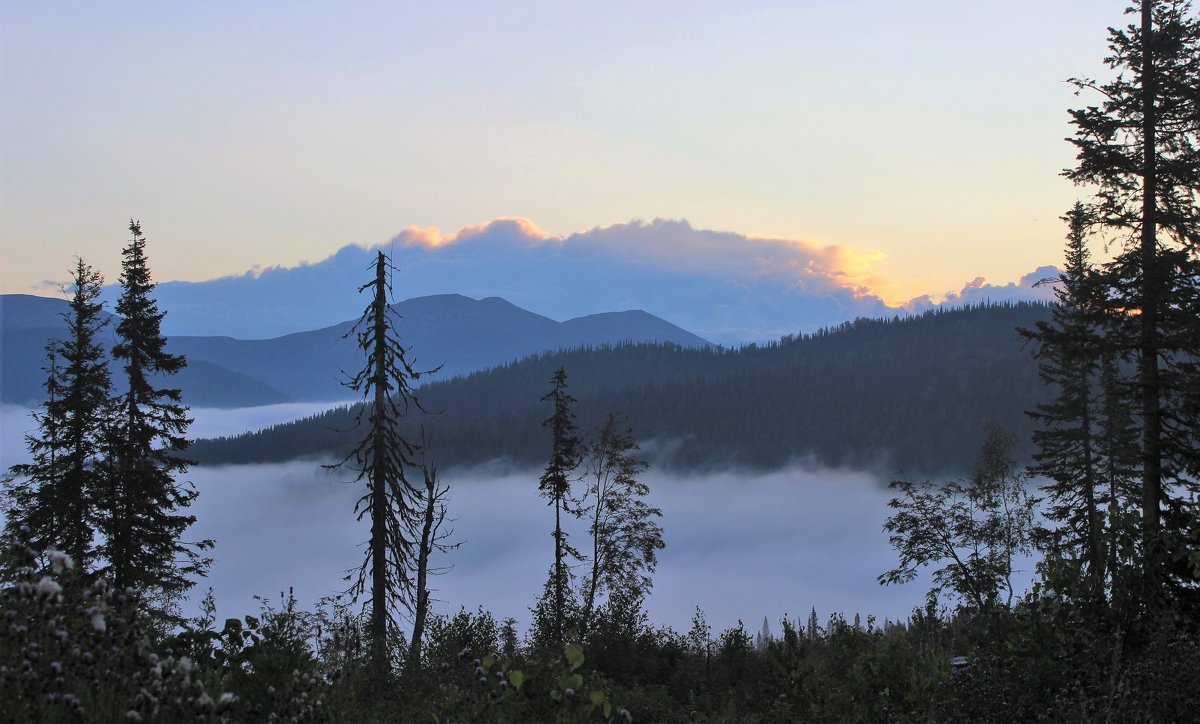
{"x": 916, "y": 144}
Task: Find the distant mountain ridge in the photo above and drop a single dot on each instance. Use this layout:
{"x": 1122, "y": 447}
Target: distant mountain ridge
{"x": 904, "y": 395}
{"x": 457, "y": 333}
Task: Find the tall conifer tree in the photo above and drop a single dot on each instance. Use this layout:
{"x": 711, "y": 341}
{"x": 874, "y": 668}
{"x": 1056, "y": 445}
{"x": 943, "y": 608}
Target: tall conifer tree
{"x": 56, "y": 493}
{"x": 1138, "y": 148}
{"x": 555, "y": 486}
{"x": 394, "y": 505}
{"x": 30, "y": 488}
{"x": 141, "y": 508}
{"x": 1069, "y": 354}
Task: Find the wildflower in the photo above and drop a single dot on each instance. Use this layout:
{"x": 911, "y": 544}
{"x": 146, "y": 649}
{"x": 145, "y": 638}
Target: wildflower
{"x": 227, "y": 699}
{"x": 570, "y": 692}
{"x": 48, "y": 587}
{"x": 60, "y": 561}
{"x": 98, "y": 621}
{"x": 204, "y": 703}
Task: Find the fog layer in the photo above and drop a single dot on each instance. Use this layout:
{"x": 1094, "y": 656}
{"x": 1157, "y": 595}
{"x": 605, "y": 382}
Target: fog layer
{"x": 740, "y": 546}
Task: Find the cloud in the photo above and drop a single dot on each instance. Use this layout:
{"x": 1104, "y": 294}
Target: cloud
{"x": 727, "y": 287}
{"x": 671, "y": 245}
{"x": 503, "y": 227}
{"x": 1038, "y": 285}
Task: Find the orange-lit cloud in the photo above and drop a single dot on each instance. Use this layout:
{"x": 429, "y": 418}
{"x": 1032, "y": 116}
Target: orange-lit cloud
{"x": 802, "y": 265}
{"x": 431, "y": 237}
{"x": 724, "y": 286}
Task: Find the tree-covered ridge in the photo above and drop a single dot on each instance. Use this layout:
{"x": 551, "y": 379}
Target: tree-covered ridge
{"x": 903, "y": 394}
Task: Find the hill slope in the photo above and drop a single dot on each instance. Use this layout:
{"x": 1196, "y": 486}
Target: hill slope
{"x": 28, "y": 322}
{"x": 908, "y": 395}
{"x": 460, "y": 334}
{"x": 450, "y": 331}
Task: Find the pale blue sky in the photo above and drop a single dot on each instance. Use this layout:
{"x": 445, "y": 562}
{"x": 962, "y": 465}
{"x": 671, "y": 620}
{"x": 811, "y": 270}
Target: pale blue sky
{"x": 922, "y": 137}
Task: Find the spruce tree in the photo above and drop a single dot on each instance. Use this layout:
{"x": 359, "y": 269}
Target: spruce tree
{"x": 30, "y": 505}
{"x": 555, "y": 486}
{"x": 142, "y": 503}
{"x": 1138, "y": 148}
{"x": 86, "y": 390}
{"x": 1069, "y": 353}
{"x": 56, "y": 492}
{"x": 395, "y": 507}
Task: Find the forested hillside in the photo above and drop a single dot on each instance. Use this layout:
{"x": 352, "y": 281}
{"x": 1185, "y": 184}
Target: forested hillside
{"x": 909, "y": 395}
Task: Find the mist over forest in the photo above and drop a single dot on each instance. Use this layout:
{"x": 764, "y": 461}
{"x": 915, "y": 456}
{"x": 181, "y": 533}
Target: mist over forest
{"x": 742, "y": 545}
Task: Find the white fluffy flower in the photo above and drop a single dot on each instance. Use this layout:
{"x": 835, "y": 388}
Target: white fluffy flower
{"x": 98, "y": 622}
{"x": 60, "y": 561}
{"x": 48, "y": 587}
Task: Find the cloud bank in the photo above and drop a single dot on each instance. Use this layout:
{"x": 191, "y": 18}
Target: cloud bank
{"x": 727, "y": 287}
{"x": 1037, "y": 285}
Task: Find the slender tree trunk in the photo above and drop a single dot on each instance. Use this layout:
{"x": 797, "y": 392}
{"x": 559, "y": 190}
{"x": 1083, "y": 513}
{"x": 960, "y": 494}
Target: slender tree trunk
{"x": 1113, "y": 455}
{"x": 1095, "y": 548}
{"x": 379, "y": 501}
{"x": 590, "y": 599}
{"x": 422, "y": 607}
{"x": 125, "y": 488}
{"x": 1148, "y": 359}
{"x": 558, "y": 570}
{"x": 54, "y": 435}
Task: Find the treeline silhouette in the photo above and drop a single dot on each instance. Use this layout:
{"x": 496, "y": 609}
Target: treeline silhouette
{"x": 910, "y": 395}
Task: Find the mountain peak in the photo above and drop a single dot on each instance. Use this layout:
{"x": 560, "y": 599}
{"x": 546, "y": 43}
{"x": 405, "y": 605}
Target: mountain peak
{"x": 453, "y": 331}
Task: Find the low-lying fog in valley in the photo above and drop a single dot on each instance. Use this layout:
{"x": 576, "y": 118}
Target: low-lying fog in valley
{"x": 739, "y": 545}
